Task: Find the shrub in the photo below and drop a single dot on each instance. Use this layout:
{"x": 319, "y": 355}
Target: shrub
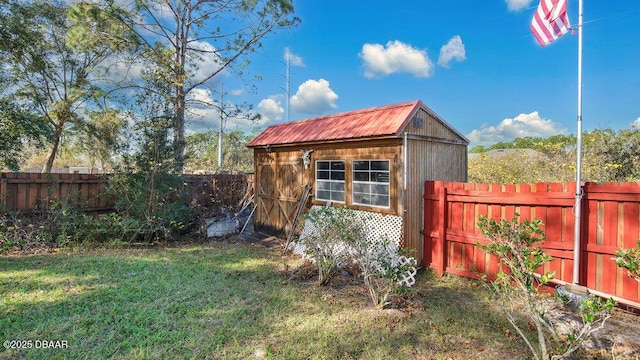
{"x": 150, "y": 206}
{"x": 19, "y": 233}
{"x": 384, "y": 268}
{"x": 513, "y": 242}
{"x": 629, "y": 259}
{"x": 330, "y": 235}
{"x": 335, "y": 237}
{"x": 59, "y": 225}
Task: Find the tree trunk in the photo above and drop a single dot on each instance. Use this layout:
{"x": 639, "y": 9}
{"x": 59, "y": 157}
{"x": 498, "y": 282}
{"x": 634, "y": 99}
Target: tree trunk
{"x": 178, "y": 130}
{"x": 51, "y": 157}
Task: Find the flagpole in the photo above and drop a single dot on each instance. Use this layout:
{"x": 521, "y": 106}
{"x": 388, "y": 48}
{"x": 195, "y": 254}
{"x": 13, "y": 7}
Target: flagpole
{"x": 578, "y": 205}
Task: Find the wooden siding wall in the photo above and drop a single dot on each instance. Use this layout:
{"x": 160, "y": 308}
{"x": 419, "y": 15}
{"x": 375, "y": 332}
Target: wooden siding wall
{"x": 277, "y": 195}
{"x": 610, "y": 220}
{"x": 431, "y": 127}
{"x": 437, "y": 153}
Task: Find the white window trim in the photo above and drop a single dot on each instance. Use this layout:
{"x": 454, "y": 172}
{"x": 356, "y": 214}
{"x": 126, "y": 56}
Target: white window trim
{"x": 388, "y": 206}
{"x": 331, "y": 181}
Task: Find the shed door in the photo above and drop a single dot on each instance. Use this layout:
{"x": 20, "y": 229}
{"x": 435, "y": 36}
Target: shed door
{"x": 289, "y": 191}
{"x": 266, "y": 198}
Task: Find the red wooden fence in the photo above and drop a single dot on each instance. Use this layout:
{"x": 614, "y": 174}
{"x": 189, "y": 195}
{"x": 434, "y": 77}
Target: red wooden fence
{"x": 610, "y": 220}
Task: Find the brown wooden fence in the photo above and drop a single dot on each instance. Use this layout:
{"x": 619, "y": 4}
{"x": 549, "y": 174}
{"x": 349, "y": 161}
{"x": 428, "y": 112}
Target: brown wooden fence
{"x": 29, "y": 192}
{"x": 610, "y": 220}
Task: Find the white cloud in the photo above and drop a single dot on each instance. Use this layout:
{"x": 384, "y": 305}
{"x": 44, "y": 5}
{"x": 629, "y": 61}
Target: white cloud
{"x": 636, "y": 124}
{"x": 202, "y": 61}
{"x": 200, "y": 64}
{"x": 313, "y": 97}
{"x": 200, "y": 98}
{"x": 294, "y": 60}
{"x": 201, "y": 115}
{"x": 270, "y": 110}
{"x": 237, "y": 92}
{"x": 521, "y": 126}
{"x": 394, "y": 58}
{"x": 453, "y": 50}
{"x": 517, "y": 5}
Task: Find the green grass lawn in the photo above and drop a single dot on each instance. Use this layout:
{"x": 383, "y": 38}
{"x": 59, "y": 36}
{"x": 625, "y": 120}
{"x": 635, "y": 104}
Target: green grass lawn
{"x": 232, "y": 301}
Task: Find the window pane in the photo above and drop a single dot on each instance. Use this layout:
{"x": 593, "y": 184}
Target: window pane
{"x": 323, "y": 195}
{"x": 381, "y": 189}
{"x": 337, "y": 175}
{"x": 380, "y": 165}
{"x": 360, "y": 165}
{"x": 330, "y": 185}
{"x": 361, "y": 188}
{"x": 380, "y": 200}
{"x": 322, "y": 174}
{"x": 360, "y": 176}
{"x": 337, "y": 186}
{"x": 337, "y": 165}
{"x": 382, "y": 177}
{"x": 362, "y": 199}
{"x": 371, "y": 182}
{"x": 323, "y": 185}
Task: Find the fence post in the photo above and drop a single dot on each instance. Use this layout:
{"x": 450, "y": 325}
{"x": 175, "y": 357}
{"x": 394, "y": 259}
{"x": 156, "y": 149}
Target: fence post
{"x": 584, "y": 213}
{"x": 427, "y": 215}
{"x": 3, "y": 191}
{"x": 439, "y": 246}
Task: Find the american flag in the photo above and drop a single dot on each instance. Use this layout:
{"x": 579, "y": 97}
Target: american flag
{"x": 550, "y": 21}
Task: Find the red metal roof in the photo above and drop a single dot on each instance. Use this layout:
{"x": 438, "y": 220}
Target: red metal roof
{"x": 388, "y": 120}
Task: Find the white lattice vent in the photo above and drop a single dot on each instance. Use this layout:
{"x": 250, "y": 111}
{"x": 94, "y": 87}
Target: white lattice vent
{"x": 377, "y": 227}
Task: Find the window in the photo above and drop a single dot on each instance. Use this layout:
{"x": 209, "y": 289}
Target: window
{"x": 330, "y": 180}
{"x": 371, "y": 183}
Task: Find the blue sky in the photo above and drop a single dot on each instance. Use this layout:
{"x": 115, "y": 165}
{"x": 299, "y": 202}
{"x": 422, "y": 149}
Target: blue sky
{"x": 475, "y": 63}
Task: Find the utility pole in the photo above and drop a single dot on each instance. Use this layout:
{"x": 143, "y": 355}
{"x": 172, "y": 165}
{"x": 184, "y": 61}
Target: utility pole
{"x": 287, "y": 82}
{"x": 220, "y": 133}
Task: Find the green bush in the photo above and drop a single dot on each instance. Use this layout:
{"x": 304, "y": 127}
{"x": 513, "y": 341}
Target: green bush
{"x": 384, "y": 269}
{"x": 331, "y": 231}
{"x": 151, "y": 206}
{"x": 629, "y": 259}
{"x": 515, "y": 244}
{"x": 59, "y": 225}
{"x": 336, "y": 237}
{"x": 19, "y": 233}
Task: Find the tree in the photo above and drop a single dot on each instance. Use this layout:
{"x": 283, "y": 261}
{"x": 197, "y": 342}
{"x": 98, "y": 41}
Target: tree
{"x": 608, "y": 155}
{"x": 176, "y": 35}
{"x": 201, "y": 152}
{"x": 519, "y": 166}
{"x": 52, "y": 52}
{"x": 97, "y": 146}
{"x": 17, "y": 127}
{"x": 611, "y": 155}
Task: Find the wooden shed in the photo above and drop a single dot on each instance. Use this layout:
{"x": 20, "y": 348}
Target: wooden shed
{"x": 374, "y": 159}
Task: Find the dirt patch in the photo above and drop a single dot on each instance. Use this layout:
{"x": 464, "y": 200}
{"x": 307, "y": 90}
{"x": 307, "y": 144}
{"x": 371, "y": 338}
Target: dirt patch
{"x": 620, "y": 337}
